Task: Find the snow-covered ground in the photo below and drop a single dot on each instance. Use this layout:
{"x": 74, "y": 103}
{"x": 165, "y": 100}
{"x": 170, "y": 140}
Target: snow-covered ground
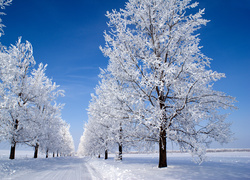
{"x": 222, "y": 165}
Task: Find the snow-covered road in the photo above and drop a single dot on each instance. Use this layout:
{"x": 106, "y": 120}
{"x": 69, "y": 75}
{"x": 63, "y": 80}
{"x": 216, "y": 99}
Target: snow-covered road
{"x": 71, "y": 168}
{"x": 221, "y": 165}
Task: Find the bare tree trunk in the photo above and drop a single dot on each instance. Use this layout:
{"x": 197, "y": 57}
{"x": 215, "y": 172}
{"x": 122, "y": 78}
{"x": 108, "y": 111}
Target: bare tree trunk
{"x": 106, "y": 154}
{"x": 36, "y": 150}
{"x": 57, "y": 154}
{"x": 47, "y": 153}
{"x": 162, "y": 140}
{"x": 13, "y": 145}
{"x": 99, "y": 156}
{"x": 13, "y": 150}
{"x": 162, "y": 149}
{"x": 120, "y": 152}
{"x": 53, "y": 154}
{"x": 120, "y": 144}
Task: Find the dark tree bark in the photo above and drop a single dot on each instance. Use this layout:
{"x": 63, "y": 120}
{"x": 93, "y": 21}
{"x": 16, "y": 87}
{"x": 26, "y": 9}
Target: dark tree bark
{"x": 162, "y": 149}
{"x": 13, "y": 150}
{"x": 120, "y": 151}
{"x": 99, "y": 156}
{"x": 120, "y": 143}
{"x": 36, "y": 150}
{"x": 47, "y": 153}
{"x": 13, "y": 145}
{"x": 53, "y": 154}
{"x": 106, "y": 154}
{"x": 162, "y": 140}
{"x": 57, "y": 154}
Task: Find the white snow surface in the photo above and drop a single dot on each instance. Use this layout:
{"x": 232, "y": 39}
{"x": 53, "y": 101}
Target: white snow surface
{"x": 222, "y": 165}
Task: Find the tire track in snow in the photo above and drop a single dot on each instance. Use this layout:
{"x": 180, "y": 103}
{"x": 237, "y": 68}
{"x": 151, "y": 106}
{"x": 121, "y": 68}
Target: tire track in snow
{"x": 94, "y": 173}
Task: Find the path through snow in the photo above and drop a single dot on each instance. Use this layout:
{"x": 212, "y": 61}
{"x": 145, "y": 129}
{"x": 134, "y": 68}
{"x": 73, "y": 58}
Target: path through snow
{"x": 53, "y": 169}
{"x": 222, "y": 165}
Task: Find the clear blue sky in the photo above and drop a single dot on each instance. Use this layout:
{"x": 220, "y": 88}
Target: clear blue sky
{"x": 66, "y": 35}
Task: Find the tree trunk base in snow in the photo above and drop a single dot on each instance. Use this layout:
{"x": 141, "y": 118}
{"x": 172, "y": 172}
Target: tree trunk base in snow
{"x": 106, "y": 154}
{"x": 36, "y": 151}
{"x": 120, "y": 152}
{"x": 162, "y": 150}
{"x": 12, "y": 151}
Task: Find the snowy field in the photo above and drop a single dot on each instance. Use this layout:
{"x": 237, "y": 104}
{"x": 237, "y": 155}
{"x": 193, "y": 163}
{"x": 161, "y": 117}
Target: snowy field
{"x": 219, "y": 166}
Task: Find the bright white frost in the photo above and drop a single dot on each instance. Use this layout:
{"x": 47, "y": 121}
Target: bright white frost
{"x": 154, "y": 55}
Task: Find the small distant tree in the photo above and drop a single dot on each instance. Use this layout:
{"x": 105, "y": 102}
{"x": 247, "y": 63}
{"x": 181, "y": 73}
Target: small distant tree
{"x": 153, "y": 49}
{"x": 66, "y": 143}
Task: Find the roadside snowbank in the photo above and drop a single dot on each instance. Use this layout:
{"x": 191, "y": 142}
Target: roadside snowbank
{"x": 226, "y": 165}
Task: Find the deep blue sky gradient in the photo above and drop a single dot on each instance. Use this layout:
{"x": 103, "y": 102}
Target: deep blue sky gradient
{"x": 66, "y": 35}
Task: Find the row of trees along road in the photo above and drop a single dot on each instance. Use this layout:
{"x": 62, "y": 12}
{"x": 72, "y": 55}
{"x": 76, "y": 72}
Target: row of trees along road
{"x": 29, "y": 113}
{"x": 158, "y": 85}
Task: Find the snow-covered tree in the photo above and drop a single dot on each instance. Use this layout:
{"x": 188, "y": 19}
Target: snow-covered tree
{"x": 91, "y": 143}
{"x": 107, "y": 111}
{"x": 65, "y": 144}
{"x": 111, "y": 125}
{"x": 100, "y": 131}
{"x": 3, "y": 3}
{"x": 153, "y": 48}
{"x": 3, "y": 58}
{"x": 55, "y": 136}
{"x": 18, "y": 97}
{"x": 28, "y": 111}
{"x": 46, "y": 93}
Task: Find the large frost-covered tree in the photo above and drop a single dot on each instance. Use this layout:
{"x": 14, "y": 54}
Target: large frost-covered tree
{"x": 154, "y": 49}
